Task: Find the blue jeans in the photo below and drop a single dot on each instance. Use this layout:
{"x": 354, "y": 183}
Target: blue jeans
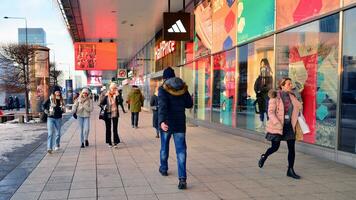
{"x": 181, "y": 151}
{"x": 54, "y": 127}
{"x": 84, "y": 128}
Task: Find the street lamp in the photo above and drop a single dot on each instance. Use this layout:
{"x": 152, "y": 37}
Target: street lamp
{"x": 26, "y": 67}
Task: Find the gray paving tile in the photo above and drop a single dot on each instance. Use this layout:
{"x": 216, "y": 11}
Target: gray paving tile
{"x": 82, "y": 193}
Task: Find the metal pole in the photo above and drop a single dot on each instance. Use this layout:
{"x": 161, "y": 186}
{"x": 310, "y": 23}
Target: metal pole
{"x": 27, "y": 73}
{"x": 169, "y": 6}
{"x": 183, "y": 5}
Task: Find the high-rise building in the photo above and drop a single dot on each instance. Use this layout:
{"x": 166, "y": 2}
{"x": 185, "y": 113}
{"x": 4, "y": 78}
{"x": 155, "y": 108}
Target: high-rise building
{"x": 35, "y": 36}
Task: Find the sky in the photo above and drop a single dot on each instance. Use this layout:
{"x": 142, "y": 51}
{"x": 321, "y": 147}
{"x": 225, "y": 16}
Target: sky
{"x": 39, "y": 14}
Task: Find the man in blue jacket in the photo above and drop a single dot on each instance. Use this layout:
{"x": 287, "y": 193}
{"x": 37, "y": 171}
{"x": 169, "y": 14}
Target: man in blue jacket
{"x": 173, "y": 99}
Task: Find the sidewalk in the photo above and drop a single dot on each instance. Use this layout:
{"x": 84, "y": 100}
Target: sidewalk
{"x": 220, "y": 166}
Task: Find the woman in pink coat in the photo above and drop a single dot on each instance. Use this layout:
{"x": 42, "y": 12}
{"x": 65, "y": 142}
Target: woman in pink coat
{"x": 283, "y": 111}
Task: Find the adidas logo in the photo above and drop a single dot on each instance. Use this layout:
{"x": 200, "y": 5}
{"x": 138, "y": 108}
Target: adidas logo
{"x": 177, "y": 28}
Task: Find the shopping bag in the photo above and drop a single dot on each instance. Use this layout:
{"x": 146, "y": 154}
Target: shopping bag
{"x": 298, "y": 132}
{"x": 303, "y": 124}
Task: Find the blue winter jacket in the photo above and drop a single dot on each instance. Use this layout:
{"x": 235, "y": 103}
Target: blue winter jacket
{"x": 173, "y": 99}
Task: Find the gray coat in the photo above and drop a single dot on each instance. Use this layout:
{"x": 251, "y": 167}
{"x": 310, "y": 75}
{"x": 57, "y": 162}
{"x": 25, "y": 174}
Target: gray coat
{"x": 83, "y": 108}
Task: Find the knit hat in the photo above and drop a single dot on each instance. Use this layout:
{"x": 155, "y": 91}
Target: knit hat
{"x": 113, "y": 86}
{"x": 56, "y": 88}
{"x": 168, "y": 73}
{"x": 85, "y": 90}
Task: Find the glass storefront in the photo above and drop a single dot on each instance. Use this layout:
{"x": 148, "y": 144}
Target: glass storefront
{"x": 347, "y": 140}
{"x": 255, "y": 79}
{"x": 240, "y": 52}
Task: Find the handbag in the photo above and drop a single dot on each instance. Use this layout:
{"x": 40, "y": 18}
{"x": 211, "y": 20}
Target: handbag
{"x": 75, "y": 115}
{"x": 102, "y": 113}
{"x": 303, "y": 124}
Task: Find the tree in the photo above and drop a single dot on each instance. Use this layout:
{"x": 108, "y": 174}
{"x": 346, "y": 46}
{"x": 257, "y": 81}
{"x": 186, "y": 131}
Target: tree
{"x": 54, "y": 74}
{"x": 15, "y": 61}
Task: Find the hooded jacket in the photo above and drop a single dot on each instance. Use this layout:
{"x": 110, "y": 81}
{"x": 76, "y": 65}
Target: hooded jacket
{"x": 276, "y": 112}
{"x": 173, "y": 99}
{"x": 54, "y": 108}
{"x": 135, "y": 98}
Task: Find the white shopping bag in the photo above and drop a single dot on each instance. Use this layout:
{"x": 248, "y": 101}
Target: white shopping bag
{"x": 303, "y": 124}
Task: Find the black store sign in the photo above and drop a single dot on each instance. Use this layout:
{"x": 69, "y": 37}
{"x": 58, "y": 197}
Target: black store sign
{"x": 176, "y": 26}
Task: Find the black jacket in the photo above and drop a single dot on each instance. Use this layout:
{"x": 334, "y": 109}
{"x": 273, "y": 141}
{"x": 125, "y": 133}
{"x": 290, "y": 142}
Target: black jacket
{"x": 54, "y": 112}
{"x": 173, "y": 99}
{"x": 104, "y": 105}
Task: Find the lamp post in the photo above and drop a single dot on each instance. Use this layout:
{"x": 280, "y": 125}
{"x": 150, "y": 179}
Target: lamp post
{"x": 26, "y": 67}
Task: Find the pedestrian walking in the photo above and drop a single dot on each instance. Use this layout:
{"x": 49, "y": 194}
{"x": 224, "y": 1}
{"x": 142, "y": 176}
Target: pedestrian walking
{"x": 10, "y": 105}
{"x": 54, "y": 108}
{"x": 283, "y": 112}
{"x": 121, "y": 101}
{"x": 154, "y": 107}
{"x": 173, "y": 99}
{"x": 82, "y": 108}
{"x": 110, "y": 104}
{"x": 135, "y": 99}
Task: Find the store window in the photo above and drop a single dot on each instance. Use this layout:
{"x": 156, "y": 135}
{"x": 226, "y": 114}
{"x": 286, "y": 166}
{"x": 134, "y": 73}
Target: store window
{"x": 223, "y": 91}
{"x": 348, "y": 85}
{"x": 309, "y": 56}
{"x": 203, "y": 88}
{"x": 255, "y": 79}
{"x": 188, "y": 77}
{"x": 295, "y": 11}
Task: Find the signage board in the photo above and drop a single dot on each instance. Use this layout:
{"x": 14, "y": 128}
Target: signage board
{"x": 164, "y": 48}
{"x": 176, "y": 26}
{"x": 122, "y": 73}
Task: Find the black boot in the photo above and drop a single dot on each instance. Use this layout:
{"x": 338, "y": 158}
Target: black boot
{"x": 262, "y": 160}
{"x": 86, "y": 143}
{"x": 182, "y": 184}
{"x": 291, "y": 173}
{"x": 82, "y": 145}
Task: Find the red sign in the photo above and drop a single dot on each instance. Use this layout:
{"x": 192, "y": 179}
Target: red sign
{"x": 122, "y": 73}
{"x": 164, "y": 48}
{"x": 95, "y": 56}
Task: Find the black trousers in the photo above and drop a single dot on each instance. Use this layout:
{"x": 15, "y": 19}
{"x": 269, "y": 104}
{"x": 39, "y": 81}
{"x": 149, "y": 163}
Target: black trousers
{"x": 291, "y": 151}
{"x": 122, "y": 106}
{"x": 134, "y": 118}
{"x": 115, "y": 121}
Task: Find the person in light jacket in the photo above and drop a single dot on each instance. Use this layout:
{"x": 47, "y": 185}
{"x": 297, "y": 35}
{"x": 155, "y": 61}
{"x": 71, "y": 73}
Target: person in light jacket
{"x": 54, "y": 108}
{"x": 82, "y": 108}
{"x": 283, "y": 112}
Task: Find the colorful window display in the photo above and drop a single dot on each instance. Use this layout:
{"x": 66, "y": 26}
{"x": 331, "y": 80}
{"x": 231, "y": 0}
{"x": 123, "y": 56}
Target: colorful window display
{"x": 254, "y": 21}
{"x": 255, "y": 71}
{"x": 188, "y": 77}
{"x": 224, "y": 25}
{"x": 203, "y": 29}
{"x": 203, "y": 88}
{"x": 224, "y": 86}
{"x": 348, "y": 2}
{"x": 309, "y": 55}
{"x": 295, "y": 11}
{"x": 347, "y": 140}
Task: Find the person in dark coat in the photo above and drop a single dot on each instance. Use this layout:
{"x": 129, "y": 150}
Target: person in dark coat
{"x": 154, "y": 107}
{"x": 262, "y": 85}
{"x": 121, "y": 101}
{"x": 173, "y": 99}
{"x": 54, "y": 108}
{"x": 110, "y": 104}
{"x": 10, "y": 103}
{"x": 17, "y": 103}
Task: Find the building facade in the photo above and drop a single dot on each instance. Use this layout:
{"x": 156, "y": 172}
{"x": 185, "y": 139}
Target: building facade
{"x": 312, "y": 42}
{"x": 35, "y": 36}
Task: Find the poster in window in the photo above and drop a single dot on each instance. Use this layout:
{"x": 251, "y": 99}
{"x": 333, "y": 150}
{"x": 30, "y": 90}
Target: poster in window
{"x": 254, "y": 21}
{"x": 224, "y": 25}
{"x": 295, "y": 11}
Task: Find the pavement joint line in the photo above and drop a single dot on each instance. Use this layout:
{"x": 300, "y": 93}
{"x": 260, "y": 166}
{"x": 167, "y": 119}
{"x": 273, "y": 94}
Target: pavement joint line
{"x": 67, "y": 124}
{"x": 57, "y": 164}
{"x": 134, "y": 160}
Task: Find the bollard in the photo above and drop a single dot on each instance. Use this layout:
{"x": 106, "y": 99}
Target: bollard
{"x": 21, "y": 119}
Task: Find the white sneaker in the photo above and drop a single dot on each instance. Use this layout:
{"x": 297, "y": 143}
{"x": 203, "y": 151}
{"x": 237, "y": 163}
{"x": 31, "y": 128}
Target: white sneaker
{"x": 56, "y": 148}
{"x": 115, "y": 146}
{"x": 110, "y": 146}
{"x": 49, "y": 151}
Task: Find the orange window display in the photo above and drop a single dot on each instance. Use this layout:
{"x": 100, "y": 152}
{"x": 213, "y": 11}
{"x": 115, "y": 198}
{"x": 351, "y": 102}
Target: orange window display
{"x": 95, "y": 56}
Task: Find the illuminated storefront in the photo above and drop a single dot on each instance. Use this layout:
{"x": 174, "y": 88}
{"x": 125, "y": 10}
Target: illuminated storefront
{"x": 237, "y": 46}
